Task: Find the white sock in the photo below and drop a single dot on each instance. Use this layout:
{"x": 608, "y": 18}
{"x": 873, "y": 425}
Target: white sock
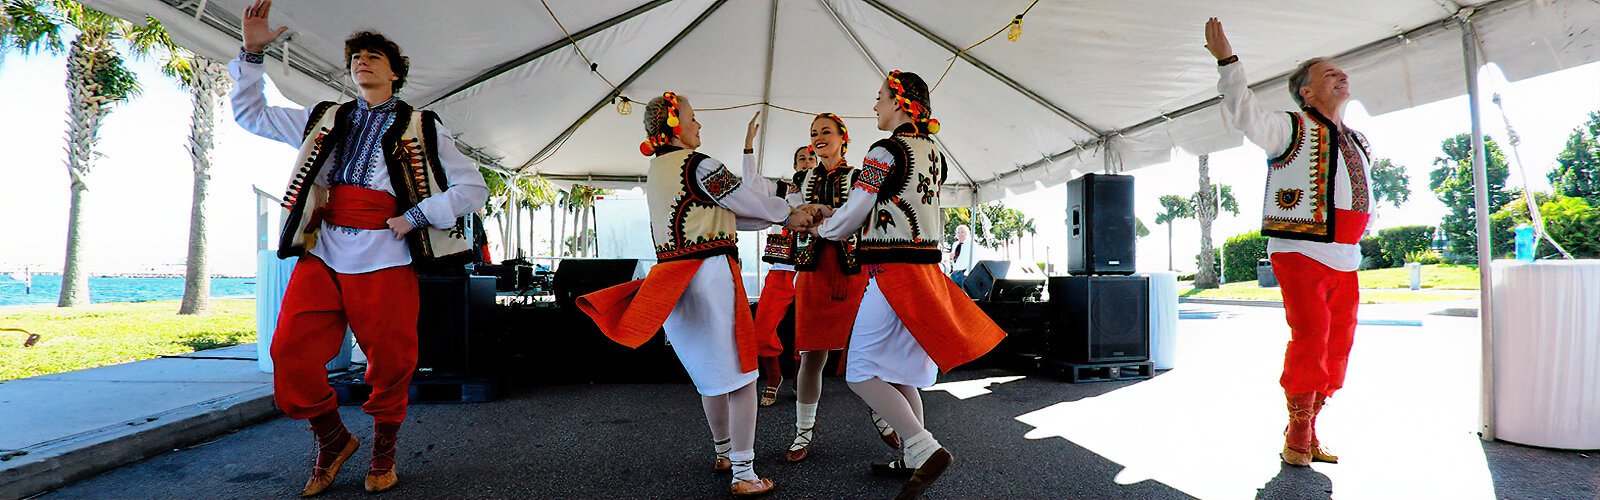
{"x": 722, "y": 446}
{"x": 805, "y": 415}
{"x": 919, "y": 447}
{"x": 744, "y": 465}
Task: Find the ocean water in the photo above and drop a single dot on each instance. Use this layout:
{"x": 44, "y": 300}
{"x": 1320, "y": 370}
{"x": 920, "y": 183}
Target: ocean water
{"x": 47, "y": 289}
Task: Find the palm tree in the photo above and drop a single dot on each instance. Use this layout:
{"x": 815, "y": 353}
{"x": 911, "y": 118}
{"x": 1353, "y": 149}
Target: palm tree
{"x": 508, "y": 195}
{"x": 1206, "y": 201}
{"x": 534, "y": 192}
{"x": 1173, "y": 207}
{"x": 97, "y": 79}
{"x": 580, "y": 201}
{"x": 207, "y": 81}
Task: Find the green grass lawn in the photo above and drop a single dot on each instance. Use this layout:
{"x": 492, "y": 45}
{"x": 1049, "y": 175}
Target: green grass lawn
{"x": 1439, "y": 282}
{"x": 1435, "y": 276}
{"x": 106, "y": 334}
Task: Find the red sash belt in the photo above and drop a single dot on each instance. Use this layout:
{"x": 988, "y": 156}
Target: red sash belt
{"x": 1349, "y": 225}
{"x": 359, "y": 207}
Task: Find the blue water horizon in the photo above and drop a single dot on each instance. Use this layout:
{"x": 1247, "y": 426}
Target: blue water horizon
{"x": 107, "y": 289}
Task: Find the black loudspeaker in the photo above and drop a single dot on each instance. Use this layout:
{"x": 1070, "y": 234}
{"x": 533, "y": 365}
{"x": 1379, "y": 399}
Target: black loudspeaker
{"x": 576, "y": 277}
{"x": 1100, "y": 224}
{"x": 999, "y": 281}
{"x": 455, "y": 326}
{"x": 1100, "y": 319}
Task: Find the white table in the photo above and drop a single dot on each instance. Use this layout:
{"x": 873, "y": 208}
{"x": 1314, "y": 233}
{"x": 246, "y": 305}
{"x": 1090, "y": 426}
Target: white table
{"x": 1547, "y": 353}
{"x": 272, "y": 279}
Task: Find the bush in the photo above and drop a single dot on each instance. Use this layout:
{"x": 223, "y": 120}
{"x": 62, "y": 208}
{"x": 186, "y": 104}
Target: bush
{"x": 1240, "y": 254}
{"x": 1396, "y": 243}
{"x": 1424, "y": 257}
{"x": 1569, "y": 220}
{"x": 1372, "y": 254}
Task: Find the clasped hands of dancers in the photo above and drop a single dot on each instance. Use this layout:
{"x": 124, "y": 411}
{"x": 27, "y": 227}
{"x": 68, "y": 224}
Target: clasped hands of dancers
{"x": 380, "y": 187}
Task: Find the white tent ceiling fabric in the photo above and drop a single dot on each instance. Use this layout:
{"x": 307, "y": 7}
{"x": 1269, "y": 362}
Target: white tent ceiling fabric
{"x": 1097, "y": 85}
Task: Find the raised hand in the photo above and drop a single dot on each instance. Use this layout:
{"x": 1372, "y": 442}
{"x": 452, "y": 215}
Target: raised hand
{"x": 257, "y": 33}
{"x": 750, "y": 131}
{"x": 1216, "y": 41}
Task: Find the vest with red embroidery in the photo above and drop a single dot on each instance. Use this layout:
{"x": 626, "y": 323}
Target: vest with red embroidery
{"x": 822, "y": 186}
{"x": 685, "y": 220}
{"x": 904, "y": 226}
{"x": 415, "y": 173}
{"x": 1299, "y": 201}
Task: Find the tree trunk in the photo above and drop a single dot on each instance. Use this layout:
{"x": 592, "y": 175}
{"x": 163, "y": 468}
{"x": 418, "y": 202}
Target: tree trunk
{"x": 210, "y": 85}
{"x": 1206, "y": 212}
{"x": 563, "y": 235}
{"x": 86, "y": 109}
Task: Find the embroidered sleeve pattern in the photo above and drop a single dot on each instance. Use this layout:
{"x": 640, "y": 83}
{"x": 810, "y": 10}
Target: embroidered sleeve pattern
{"x": 416, "y": 217}
{"x": 873, "y": 173}
{"x": 720, "y": 182}
{"x": 251, "y": 57}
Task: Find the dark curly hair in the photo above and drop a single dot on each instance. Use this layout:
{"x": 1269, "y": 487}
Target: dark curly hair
{"x": 368, "y": 40}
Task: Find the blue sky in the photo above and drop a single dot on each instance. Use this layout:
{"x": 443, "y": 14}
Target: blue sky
{"x": 138, "y": 211}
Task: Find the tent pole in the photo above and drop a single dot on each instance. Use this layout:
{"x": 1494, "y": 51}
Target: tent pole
{"x": 766, "y": 87}
{"x": 1480, "y": 205}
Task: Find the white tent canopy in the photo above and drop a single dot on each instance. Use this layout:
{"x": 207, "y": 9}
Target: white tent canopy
{"x": 1098, "y": 85}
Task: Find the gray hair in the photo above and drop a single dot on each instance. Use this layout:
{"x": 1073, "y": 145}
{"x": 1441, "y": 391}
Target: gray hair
{"x": 1301, "y": 77}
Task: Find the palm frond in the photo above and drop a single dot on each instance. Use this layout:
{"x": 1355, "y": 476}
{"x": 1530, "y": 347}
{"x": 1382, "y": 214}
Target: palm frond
{"x": 29, "y": 27}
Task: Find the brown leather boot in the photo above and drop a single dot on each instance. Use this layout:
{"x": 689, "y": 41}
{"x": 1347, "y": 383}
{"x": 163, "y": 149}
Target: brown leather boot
{"x": 334, "y": 446}
{"x": 1297, "y": 437}
{"x": 1318, "y": 453}
{"x": 382, "y": 475}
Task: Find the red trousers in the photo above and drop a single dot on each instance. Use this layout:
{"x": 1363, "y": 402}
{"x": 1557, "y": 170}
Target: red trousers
{"x": 1321, "y": 307}
{"x": 380, "y": 307}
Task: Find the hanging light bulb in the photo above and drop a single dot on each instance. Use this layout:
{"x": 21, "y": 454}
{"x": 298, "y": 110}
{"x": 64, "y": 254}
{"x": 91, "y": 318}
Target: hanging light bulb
{"x": 1016, "y": 28}
{"x": 624, "y": 106}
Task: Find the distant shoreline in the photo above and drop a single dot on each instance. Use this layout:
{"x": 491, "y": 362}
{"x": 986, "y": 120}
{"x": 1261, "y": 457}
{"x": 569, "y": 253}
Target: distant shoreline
{"x": 52, "y": 305}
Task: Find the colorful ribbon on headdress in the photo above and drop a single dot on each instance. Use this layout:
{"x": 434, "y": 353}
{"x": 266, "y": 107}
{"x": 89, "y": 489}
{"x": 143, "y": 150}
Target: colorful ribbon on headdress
{"x": 918, "y": 112}
{"x": 648, "y": 147}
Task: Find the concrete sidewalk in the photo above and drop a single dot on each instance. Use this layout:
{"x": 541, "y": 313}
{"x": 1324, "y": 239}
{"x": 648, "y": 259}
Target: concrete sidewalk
{"x": 57, "y": 429}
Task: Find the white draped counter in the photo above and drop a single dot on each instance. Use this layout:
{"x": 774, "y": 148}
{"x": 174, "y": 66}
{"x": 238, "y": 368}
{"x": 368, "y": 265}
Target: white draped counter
{"x": 1547, "y": 353}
